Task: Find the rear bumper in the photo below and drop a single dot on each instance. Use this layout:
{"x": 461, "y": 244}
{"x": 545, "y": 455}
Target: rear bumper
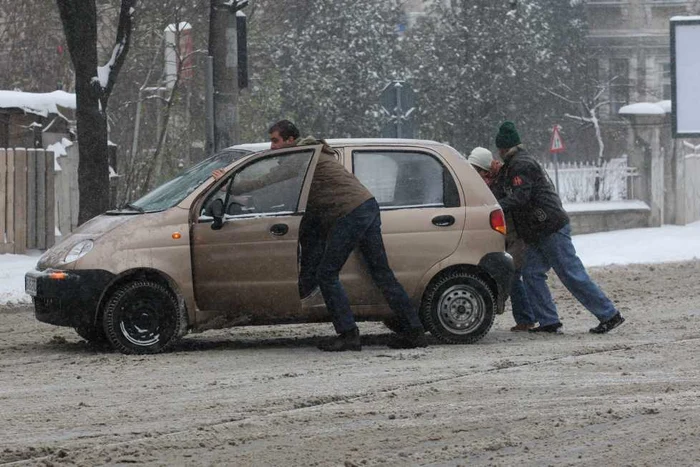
{"x": 66, "y": 298}
{"x": 500, "y": 267}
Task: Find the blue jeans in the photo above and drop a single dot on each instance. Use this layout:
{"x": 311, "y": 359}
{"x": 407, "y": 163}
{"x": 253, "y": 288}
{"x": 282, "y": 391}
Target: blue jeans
{"x": 522, "y": 310}
{"x": 361, "y": 227}
{"x": 556, "y": 251}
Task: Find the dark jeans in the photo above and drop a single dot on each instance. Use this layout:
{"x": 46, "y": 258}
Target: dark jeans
{"x": 312, "y": 244}
{"x": 556, "y": 251}
{"x": 361, "y": 227}
{"x": 522, "y": 311}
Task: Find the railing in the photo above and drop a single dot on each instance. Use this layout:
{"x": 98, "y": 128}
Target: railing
{"x": 577, "y": 182}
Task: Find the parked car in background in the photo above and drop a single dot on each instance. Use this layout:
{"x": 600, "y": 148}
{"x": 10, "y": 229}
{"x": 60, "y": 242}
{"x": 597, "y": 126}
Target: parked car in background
{"x": 190, "y": 256}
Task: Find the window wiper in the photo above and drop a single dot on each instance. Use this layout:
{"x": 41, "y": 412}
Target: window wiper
{"x": 134, "y": 207}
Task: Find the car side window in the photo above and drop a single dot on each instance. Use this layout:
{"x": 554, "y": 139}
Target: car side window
{"x": 405, "y": 179}
{"x": 271, "y": 185}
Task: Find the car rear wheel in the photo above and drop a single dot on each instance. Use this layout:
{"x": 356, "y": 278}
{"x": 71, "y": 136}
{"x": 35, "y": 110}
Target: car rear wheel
{"x": 143, "y": 317}
{"x": 458, "y": 308}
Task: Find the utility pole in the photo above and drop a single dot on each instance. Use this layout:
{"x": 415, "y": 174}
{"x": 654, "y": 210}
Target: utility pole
{"x": 223, "y": 50}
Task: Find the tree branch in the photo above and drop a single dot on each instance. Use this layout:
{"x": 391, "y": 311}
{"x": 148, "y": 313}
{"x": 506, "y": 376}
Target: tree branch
{"x": 121, "y": 47}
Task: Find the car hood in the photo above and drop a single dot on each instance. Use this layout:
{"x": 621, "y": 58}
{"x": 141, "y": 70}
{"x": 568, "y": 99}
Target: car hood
{"x": 91, "y": 230}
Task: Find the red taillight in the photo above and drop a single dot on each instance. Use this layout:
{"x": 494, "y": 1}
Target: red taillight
{"x": 498, "y": 221}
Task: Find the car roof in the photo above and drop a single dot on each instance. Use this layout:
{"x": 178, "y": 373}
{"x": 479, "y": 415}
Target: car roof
{"x": 340, "y": 142}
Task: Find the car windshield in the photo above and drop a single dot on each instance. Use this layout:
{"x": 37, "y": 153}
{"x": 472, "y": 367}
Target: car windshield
{"x": 171, "y": 193}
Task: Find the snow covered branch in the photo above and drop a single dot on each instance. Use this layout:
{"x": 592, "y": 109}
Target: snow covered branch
{"x": 108, "y": 73}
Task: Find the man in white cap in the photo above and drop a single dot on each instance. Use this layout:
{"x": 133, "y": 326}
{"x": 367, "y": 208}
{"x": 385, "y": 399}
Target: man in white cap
{"x": 487, "y": 167}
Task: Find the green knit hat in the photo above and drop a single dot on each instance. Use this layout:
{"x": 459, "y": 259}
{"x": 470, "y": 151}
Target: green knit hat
{"x": 507, "y": 136}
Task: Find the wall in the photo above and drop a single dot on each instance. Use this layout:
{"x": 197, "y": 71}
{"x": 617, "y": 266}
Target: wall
{"x": 583, "y": 222}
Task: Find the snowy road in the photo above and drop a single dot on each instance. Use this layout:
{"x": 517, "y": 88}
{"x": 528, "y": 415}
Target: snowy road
{"x": 266, "y": 396}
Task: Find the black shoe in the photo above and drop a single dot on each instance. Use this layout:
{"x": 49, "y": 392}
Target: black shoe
{"x": 408, "y": 340}
{"x": 608, "y": 325}
{"x": 349, "y": 340}
{"x": 556, "y": 328}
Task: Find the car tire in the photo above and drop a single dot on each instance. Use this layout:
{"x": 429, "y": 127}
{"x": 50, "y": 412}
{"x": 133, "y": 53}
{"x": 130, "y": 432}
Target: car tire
{"x": 94, "y": 335}
{"x": 458, "y": 308}
{"x": 143, "y": 317}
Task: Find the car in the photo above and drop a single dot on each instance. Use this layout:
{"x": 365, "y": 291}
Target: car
{"x": 190, "y": 256}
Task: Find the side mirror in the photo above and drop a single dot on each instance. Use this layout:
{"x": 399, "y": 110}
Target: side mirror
{"x": 217, "y": 212}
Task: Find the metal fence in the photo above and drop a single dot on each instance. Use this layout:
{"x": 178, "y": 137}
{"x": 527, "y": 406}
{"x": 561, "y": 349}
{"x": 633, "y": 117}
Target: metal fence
{"x": 577, "y": 181}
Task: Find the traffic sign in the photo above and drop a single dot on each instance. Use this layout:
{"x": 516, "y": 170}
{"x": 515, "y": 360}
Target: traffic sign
{"x": 556, "y": 145}
{"x": 398, "y": 104}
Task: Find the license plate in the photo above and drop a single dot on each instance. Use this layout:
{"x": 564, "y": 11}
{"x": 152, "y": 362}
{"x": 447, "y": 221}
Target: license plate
{"x": 30, "y": 285}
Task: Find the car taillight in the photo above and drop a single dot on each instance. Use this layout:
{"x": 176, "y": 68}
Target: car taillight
{"x": 498, "y": 221}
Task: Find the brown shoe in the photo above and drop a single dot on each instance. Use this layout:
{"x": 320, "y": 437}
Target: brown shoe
{"x": 522, "y": 327}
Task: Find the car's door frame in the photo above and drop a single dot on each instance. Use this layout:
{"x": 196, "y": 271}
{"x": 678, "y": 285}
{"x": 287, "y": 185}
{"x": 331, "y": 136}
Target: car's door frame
{"x": 223, "y": 318}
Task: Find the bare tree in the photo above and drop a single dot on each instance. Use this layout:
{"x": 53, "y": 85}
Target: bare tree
{"x": 590, "y": 106}
{"x": 93, "y": 86}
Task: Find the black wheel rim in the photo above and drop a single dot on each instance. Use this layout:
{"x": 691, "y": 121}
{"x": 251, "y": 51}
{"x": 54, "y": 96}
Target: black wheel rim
{"x": 145, "y": 317}
{"x": 461, "y": 310}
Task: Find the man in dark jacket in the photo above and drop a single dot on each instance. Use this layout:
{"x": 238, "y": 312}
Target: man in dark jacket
{"x": 540, "y": 220}
{"x": 489, "y": 169}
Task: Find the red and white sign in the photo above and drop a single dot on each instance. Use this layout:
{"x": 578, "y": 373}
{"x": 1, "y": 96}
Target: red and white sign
{"x": 556, "y": 145}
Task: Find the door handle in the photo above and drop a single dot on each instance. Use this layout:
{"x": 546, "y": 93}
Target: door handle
{"x": 444, "y": 221}
{"x": 279, "y": 229}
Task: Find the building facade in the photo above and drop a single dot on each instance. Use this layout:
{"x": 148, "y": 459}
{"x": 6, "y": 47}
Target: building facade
{"x": 630, "y": 42}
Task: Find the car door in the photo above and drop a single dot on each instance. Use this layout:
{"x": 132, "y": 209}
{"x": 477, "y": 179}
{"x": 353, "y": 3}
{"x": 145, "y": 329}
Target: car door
{"x": 247, "y": 270}
{"x": 422, "y": 215}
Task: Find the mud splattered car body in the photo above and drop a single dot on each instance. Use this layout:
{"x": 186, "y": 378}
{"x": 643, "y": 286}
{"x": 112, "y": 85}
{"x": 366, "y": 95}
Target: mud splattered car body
{"x": 142, "y": 276}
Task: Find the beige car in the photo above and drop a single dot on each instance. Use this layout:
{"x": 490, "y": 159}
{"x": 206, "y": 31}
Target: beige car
{"x": 191, "y": 255}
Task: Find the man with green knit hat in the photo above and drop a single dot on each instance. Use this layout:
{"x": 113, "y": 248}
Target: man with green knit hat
{"x": 540, "y": 220}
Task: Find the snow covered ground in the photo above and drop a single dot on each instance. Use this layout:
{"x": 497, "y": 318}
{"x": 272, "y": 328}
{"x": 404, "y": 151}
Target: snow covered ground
{"x": 634, "y": 246}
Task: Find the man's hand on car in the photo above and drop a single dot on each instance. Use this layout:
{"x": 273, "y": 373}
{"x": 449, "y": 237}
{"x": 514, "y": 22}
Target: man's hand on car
{"x": 218, "y": 173}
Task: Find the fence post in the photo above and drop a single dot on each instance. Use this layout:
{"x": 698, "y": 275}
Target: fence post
{"x": 20, "y": 156}
{"x": 31, "y": 198}
{"x": 40, "y": 199}
{"x": 49, "y": 204}
{"x": 3, "y": 199}
{"x": 10, "y": 200}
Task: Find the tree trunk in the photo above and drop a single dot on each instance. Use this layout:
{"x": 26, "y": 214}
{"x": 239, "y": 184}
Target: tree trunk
{"x": 79, "y": 18}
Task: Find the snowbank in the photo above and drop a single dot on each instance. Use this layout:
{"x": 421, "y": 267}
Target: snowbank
{"x": 37, "y": 103}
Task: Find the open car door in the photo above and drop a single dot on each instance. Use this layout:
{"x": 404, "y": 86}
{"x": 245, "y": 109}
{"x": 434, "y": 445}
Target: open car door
{"x": 245, "y": 271}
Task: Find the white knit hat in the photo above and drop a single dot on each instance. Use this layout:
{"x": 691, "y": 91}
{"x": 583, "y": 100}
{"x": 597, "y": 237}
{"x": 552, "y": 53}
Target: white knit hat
{"x": 481, "y": 157}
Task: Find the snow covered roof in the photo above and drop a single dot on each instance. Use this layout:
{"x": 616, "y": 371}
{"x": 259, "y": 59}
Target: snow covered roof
{"x": 646, "y": 108}
{"x": 666, "y": 105}
{"x": 37, "y": 103}
{"x": 685, "y": 18}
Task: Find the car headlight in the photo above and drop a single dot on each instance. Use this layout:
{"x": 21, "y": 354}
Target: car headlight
{"x": 78, "y": 251}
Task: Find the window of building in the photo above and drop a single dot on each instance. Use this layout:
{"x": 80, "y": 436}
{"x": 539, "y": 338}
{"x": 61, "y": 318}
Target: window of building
{"x": 619, "y": 83}
{"x": 666, "y": 81}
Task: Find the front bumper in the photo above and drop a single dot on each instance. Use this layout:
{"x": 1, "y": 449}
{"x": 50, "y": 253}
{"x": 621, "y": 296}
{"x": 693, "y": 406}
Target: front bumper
{"x": 66, "y": 298}
{"x": 499, "y": 266}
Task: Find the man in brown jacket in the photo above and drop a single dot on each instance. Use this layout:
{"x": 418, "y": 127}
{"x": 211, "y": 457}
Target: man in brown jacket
{"x": 341, "y": 215}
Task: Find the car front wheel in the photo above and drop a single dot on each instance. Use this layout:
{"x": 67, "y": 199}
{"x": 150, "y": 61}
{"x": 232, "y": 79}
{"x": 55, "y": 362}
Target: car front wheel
{"x": 143, "y": 317}
{"x": 94, "y": 335}
{"x": 458, "y": 308}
